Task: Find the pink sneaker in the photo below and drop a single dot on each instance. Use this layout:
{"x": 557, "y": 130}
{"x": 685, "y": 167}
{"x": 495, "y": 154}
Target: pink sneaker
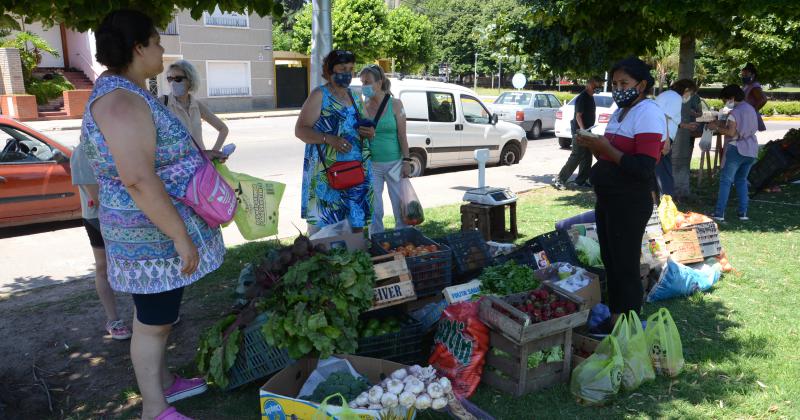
{"x": 185, "y": 388}
{"x": 171, "y": 414}
{"x": 118, "y": 330}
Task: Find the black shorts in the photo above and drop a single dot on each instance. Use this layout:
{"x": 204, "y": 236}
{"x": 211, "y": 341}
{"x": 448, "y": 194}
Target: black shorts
{"x": 93, "y": 230}
{"x": 158, "y": 308}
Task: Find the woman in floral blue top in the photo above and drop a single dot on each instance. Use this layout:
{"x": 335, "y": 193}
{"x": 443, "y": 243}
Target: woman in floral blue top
{"x": 143, "y": 159}
{"x": 327, "y": 122}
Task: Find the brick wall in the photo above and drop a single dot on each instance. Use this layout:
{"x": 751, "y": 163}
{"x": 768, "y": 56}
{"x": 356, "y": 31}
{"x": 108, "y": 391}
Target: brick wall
{"x": 75, "y": 102}
{"x": 11, "y": 82}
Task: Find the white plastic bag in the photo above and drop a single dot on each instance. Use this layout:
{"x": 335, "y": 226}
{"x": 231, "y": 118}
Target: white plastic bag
{"x": 336, "y": 229}
{"x": 705, "y": 140}
{"x": 326, "y": 368}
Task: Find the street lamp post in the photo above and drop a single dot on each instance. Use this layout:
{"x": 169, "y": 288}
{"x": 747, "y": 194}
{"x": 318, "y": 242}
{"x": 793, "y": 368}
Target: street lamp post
{"x": 321, "y": 39}
{"x": 500, "y": 73}
{"x": 475, "y": 80}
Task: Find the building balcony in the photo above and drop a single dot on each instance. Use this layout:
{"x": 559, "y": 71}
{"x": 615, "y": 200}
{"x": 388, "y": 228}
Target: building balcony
{"x": 227, "y": 20}
{"x": 171, "y": 29}
{"x": 228, "y": 92}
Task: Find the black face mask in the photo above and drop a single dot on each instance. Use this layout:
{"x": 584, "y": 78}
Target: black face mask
{"x": 746, "y": 80}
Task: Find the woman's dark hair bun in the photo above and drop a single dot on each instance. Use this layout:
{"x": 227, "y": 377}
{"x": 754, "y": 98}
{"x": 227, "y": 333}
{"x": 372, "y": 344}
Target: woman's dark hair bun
{"x": 117, "y": 36}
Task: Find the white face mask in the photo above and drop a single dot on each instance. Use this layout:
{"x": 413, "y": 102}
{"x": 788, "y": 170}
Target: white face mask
{"x": 730, "y": 104}
{"x": 687, "y": 98}
{"x": 178, "y": 88}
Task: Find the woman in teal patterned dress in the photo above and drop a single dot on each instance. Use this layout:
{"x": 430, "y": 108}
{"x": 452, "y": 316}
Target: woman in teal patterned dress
{"x": 327, "y": 122}
{"x": 143, "y": 159}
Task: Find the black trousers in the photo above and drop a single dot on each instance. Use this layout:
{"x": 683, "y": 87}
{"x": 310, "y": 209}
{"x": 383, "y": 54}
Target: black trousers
{"x": 621, "y": 220}
{"x": 581, "y": 158}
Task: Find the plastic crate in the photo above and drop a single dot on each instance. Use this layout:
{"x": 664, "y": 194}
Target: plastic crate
{"x": 256, "y": 358}
{"x": 429, "y": 314}
{"x": 430, "y": 272}
{"x": 404, "y": 346}
{"x": 557, "y": 246}
{"x": 470, "y": 253}
{"x": 769, "y": 167}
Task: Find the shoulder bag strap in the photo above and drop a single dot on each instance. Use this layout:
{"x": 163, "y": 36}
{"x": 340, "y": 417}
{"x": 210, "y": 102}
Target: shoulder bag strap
{"x": 321, "y": 156}
{"x": 166, "y": 100}
{"x": 378, "y": 114}
{"x": 358, "y": 111}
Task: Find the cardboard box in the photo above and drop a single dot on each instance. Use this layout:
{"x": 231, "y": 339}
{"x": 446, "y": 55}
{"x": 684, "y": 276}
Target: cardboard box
{"x": 462, "y": 292}
{"x": 590, "y": 293}
{"x": 349, "y": 241}
{"x": 684, "y": 246}
{"x": 278, "y": 396}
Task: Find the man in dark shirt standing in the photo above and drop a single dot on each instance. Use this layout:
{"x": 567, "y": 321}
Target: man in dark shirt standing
{"x": 580, "y": 157}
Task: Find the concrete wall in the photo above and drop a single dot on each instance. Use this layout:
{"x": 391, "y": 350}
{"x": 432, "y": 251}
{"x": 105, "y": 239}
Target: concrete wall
{"x": 53, "y": 37}
{"x": 82, "y": 49}
{"x": 11, "y": 82}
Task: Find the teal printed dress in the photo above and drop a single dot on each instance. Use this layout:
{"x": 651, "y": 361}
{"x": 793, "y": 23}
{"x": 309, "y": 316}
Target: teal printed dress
{"x": 322, "y": 205}
{"x": 142, "y": 259}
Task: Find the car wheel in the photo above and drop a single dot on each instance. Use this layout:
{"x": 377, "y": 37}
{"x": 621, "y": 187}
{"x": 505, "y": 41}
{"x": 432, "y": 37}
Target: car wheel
{"x": 417, "y": 164}
{"x": 510, "y": 154}
{"x": 536, "y": 130}
{"x": 565, "y": 143}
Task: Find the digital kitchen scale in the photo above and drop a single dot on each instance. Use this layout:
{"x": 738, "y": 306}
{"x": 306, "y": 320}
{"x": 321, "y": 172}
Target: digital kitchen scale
{"x": 490, "y": 196}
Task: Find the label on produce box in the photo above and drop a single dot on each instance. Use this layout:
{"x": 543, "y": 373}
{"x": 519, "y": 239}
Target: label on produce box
{"x": 462, "y": 292}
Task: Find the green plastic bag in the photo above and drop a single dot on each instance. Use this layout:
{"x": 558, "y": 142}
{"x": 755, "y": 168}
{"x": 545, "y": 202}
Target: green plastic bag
{"x": 344, "y": 413}
{"x": 664, "y": 343}
{"x": 257, "y": 213}
{"x": 637, "y": 368}
{"x": 597, "y": 380}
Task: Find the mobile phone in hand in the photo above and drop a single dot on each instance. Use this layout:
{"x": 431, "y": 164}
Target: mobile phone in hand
{"x": 228, "y": 149}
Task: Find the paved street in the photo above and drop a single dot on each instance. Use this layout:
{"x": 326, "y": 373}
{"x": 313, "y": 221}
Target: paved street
{"x": 266, "y": 148}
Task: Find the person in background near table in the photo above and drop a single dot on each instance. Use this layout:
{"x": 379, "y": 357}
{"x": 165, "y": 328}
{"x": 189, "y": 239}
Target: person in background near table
{"x": 389, "y": 146}
{"x": 622, "y": 179}
{"x": 144, "y": 158}
{"x": 671, "y": 101}
{"x": 83, "y": 177}
{"x": 327, "y": 124}
{"x": 580, "y": 157}
{"x": 683, "y": 147}
{"x": 753, "y": 93}
{"x": 183, "y": 81}
{"x": 740, "y": 151}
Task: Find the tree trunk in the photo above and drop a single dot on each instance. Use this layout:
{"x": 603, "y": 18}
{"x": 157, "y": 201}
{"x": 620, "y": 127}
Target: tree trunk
{"x": 686, "y": 63}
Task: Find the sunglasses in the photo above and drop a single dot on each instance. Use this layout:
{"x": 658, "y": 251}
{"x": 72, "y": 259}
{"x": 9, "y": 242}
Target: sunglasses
{"x": 343, "y": 56}
{"x": 176, "y": 78}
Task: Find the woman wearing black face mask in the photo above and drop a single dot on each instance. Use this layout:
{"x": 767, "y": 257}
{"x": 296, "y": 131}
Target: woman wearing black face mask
{"x": 753, "y": 93}
{"x": 622, "y": 178}
{"x": 327, "y": 124}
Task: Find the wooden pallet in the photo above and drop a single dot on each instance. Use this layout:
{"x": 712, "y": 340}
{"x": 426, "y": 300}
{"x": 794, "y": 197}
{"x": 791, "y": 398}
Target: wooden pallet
{"x": 510, "y": 373}
{"x": 393, "y": 284}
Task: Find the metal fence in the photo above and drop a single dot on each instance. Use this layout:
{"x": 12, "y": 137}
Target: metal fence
{"x": 228, "y": 20}
{"x": 241, "y": 91}
{"x": 171, "y": 29}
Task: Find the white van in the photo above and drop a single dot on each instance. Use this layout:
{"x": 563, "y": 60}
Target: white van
{"x": 446, "y": 123}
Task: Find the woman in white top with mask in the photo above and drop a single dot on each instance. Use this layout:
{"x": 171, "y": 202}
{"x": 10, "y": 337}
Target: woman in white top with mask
{"x": 183, "y": 81}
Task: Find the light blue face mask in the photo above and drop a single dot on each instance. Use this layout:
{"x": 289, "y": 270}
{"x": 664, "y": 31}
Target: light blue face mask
{"x": 368, "y": 91}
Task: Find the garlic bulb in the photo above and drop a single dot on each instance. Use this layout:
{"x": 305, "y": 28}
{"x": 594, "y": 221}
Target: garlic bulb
{"x": 438, "y": 403}
{"x": 446, "y": 385}
{"x": 353, "y": 404}
{"x": 389, "y": 400}
{"x": 414, "y": 386}
{"x": 427, "y": 374}
{"x": 399, "y": 374}
{"x": 423, "y": 402}
{"x": 415, "y": 370}
{"x": 407, "y": 399}
{"x": 395, "y": 387}
{"x": 363, "y": 399}
{"x": 375, "y": 407}
{"x": 435, "y": 390}
{"x": 409, "y": 378}
{"x": 375, "y": 394}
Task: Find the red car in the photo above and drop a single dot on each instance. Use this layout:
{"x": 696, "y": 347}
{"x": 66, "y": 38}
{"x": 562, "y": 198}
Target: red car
{"x": 35, "y": 181}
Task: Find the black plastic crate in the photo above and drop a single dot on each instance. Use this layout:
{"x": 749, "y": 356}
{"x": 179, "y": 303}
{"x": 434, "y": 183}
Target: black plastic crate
{"x": 470, "y": 253}
{"x": 404, "y": 346}
{"x": 256, "y": 359}
{"x": 774, "y": 162}
{"x": 557, "y": 245}
{"x": 431, "y": 272}
{"x": 524, "y": 255}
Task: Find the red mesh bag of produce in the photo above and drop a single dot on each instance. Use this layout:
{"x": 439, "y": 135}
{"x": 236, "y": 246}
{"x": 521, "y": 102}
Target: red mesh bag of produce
{"x": 460, "y": 347}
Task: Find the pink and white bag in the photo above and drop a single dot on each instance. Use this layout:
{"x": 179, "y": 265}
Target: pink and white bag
{"x": 209, "y": 195}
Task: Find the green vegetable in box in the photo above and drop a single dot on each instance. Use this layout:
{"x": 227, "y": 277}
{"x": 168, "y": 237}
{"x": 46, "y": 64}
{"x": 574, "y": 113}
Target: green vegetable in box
{"x": 339, "y": 383}
{"x": 316, "y": 305}
{"x": 377, "y": 327}
{"x": 506, "y": 279}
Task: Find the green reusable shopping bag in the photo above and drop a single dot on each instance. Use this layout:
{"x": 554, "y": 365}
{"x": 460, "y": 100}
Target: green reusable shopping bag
{"x": 597, "y": 379}
{"x": 345, "y": 413}
{"x": 637, "y": 366}
{"x": 258, "y": 201}
{"x": 664, "y": 343}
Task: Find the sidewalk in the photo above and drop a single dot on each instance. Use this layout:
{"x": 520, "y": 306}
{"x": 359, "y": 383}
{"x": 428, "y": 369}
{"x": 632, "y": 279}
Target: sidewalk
{"x": 75, "y": 124}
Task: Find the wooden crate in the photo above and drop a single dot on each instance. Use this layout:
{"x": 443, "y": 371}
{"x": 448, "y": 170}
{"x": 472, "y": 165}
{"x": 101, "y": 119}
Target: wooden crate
{"x": 393, "y": 284}
{"x": 511, "y": 374}
{"x": 582, "y": 342}
{"x": 501, "y": 316}
{"x": 683, "y": 246}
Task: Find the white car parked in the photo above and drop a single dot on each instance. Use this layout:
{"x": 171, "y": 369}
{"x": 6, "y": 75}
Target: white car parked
{"x": 533, "y": 111}
{"x": 446, "y": 123}
{"x": 605, "y": 107}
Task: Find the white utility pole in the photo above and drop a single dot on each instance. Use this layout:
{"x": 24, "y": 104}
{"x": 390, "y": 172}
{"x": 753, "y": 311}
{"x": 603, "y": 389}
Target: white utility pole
{"x": 475, "y": 81}
{"x": 321, "y": 38}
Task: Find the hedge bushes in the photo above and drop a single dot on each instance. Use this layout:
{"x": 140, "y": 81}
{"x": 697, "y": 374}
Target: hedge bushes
{"x": 45, "y": 90}
{"x": 771, "y": 108}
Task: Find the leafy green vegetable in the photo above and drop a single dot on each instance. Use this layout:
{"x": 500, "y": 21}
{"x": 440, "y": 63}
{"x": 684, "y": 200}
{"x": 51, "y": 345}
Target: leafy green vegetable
{"x": 507, "y": 279}
{"x": 588, "y": 251}
{"x": 339, "y": 382}
{"x": 316, "y": 305}
{"x": 217, "y": 353}
{"x": 553, "y": 354}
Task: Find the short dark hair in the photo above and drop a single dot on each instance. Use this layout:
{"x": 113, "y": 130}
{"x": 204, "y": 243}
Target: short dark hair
{"x": 117, "y": 36}
{"x": 333, "y": 58}
{"x": 752, "y": 69}
{"x": 732, "y": 91}
{"x": 597, "y": 79}
{"x": 681, "y": 86}
{"x": 635, "y": 68}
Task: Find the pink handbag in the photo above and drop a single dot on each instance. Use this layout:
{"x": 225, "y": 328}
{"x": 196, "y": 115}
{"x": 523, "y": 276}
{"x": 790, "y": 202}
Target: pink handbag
{"x": 209, "y": 195}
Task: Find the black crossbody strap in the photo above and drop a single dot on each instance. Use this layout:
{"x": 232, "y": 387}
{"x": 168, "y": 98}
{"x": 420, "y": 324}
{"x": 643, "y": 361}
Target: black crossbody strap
{"x": 381, "y": 108}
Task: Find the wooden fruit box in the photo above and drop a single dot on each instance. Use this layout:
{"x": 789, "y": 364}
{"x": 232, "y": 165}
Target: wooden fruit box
{"x": 500, "y": 315}
{"x": 510, "y": 372}
{"x": 582, "y": 342}
{"x": 393, "y": 284}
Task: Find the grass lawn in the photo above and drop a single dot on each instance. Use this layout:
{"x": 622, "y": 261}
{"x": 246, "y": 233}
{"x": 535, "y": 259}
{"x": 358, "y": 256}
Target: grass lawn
{"x": 739, "y": 339}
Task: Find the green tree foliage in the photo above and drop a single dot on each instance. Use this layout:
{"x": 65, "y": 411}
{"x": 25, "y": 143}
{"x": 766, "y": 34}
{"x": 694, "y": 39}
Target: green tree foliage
{"x": 410, "y": 39}
{"x": 664, "y": 60}
{"x": 31, "y": 47}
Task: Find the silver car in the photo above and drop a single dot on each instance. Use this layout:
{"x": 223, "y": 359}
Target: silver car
{"x": 533, "y": 111}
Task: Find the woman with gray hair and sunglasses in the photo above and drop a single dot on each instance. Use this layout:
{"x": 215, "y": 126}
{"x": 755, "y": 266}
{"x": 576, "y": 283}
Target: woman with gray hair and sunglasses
{"x": 183, "y": 81}
{"x": 390, "y": 159}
